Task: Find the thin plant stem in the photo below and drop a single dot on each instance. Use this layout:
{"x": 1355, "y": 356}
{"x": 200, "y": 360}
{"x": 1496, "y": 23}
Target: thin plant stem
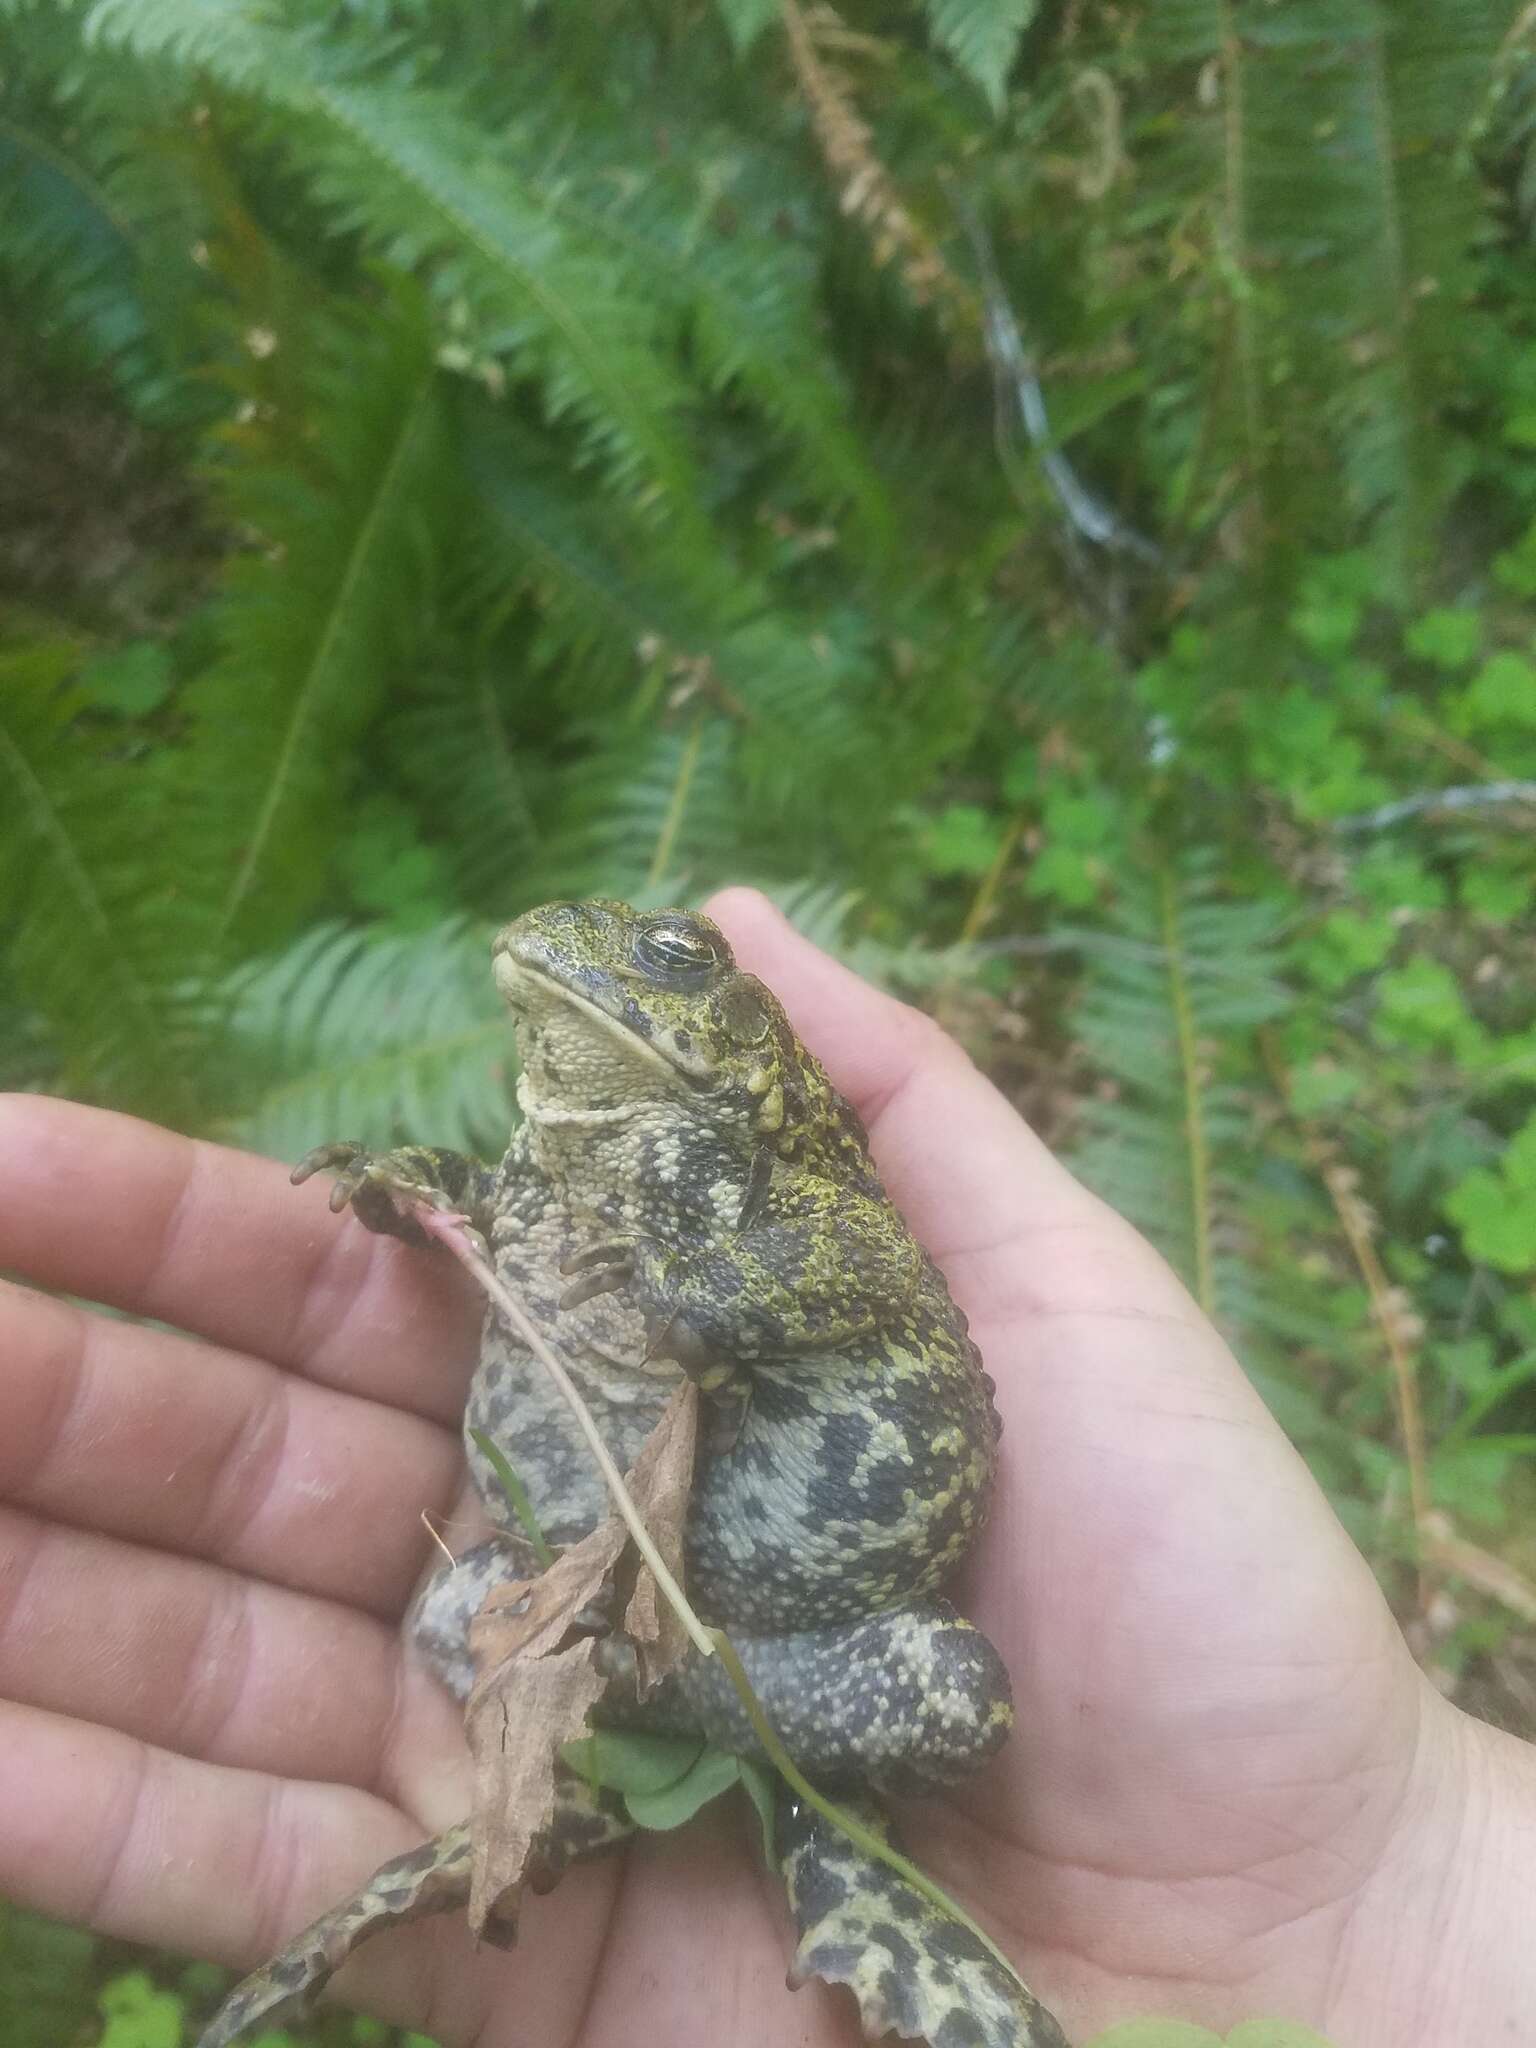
{"x": 1194, "y": 1101}
{"x": 449, "y": 1229}
{"x": 711, "y": 1642}
{"x": 666, "y": 839}
{"x": 984, "y": 900}
{"x": 862, "y": 1837}
{"x": 517, "y": 1497}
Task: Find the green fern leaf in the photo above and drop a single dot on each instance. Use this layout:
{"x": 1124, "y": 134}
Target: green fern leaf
{"x": 704, "y": 233}
{"x": 97, "y": 230}
{"x": 375, "y": 1036}
{"x": 101, "y": 942}
{"x": 983, "y": 37}
{"x": 316, "y": 615}
{"x": 457, "y": 750}
{"x": 793, "y": 685}
{"x": 408, "y": 169}
{"x": 1348, "y": 214}
{"x": 1170, "y": 1000}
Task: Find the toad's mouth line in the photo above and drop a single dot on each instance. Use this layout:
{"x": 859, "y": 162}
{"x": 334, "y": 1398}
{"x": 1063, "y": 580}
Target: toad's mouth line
{"x": 510, "y": 973}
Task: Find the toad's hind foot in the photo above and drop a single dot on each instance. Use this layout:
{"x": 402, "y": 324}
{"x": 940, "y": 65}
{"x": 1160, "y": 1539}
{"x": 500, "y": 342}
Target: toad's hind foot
{"x": 914, "y": 1971}
{"x": 431, "y": 1879}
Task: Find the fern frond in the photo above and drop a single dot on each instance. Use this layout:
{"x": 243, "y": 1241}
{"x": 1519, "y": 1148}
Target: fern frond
{"x": 599, "y": 586}
{"x": 744, "y": 293}
{"x": 650, "y": 813}
{"x": 1167, "y": 1011}
{"x": 101, "y": 942}
{"x": 96, "y": 229}
{"x": 458, "y": 751}
{"x": 371, "y": 1035}
{"x": 1347, "y": 214}
{"x": 316, "y": 614}
{"x": 982, "y": 36}
{"x": 410, "y": 172}
{"x": 796, "y": 685}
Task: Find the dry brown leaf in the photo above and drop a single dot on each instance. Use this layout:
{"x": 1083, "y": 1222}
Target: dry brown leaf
{"x": 516, "y": 1724}
{"x": 529, "y": 1697}
{"x": 660, "y": 1482}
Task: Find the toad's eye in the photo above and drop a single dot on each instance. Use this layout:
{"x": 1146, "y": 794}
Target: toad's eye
{"x": 676, "y": 950}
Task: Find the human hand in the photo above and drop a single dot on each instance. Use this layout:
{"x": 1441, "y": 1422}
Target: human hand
{"x": 1229, "y": 1790}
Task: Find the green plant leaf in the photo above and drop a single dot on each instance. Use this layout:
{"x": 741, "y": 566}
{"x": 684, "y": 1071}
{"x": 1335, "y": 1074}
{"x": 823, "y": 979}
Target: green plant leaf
{"x": 315, "y": 621}
{"x": 760, "y": 1783}
{"x": 1495, "y": 1208}
{"x": 983, "y": 37}
{"x": 516, "y": 1495}
{"x": 963, "y": 840}
{"x": 376, "y": 1033}
{"x": 745, "y": 21}
{"x": 132, "y": 680}
{"x": 1503, "y": 692}
{"x": 47, "y": 1980}
{"x": 139, "y": 2014}
{"x": 714, "y": 1772}
{"x": 627, "y": 1761}
{"x": 103, "y": 939}
{"x": 1449, "y": 639}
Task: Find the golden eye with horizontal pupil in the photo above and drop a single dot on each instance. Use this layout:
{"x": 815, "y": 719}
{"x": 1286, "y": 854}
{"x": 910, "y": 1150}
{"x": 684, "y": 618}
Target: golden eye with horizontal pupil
{"x": 675, "y": 949}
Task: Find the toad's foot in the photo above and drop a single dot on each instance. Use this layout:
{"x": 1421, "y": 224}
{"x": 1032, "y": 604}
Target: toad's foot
{"x": 384, "y": 1189}
{"x": 914, "y": 1971}
{"x": 431, "y": 1879}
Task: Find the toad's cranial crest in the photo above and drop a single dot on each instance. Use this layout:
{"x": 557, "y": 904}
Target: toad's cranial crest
{"x": 688, "y": 1161}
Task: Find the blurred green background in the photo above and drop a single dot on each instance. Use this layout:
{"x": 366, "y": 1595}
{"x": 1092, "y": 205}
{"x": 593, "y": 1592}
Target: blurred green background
{"x": 1045, "y": 488}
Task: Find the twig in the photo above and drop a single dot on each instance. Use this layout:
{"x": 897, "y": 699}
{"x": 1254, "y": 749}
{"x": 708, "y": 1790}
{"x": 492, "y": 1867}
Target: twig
{"x": 426, "y": 1523}
{"x": 1020, "y": 402}
{"x": 1356, "y": 1222}
{"x": 1389, "y": 1314}
{"x": 866, "y": 190}
{"x": 1480, "y": 1568}
{"x": 677, "y": 804}
{"x": 986, "y": 894}
{"x": 1463, "y": 796}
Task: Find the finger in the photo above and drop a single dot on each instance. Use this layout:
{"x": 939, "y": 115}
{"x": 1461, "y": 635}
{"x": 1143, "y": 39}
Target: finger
{"x": 1015, "y": 1232}
{"x": 191, "y": 1448}
{"x": 110, "y": 1832}
{"x": 202, "y": 1661}
{"x": 218, "y": 1243}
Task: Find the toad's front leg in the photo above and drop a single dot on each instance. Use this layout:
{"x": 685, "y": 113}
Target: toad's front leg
{"x": 811, "y": 1267}
{"x": 383, "y": 1188}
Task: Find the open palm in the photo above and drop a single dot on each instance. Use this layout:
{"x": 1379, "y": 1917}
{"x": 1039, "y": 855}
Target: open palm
{"x": 1229, "y": 1790}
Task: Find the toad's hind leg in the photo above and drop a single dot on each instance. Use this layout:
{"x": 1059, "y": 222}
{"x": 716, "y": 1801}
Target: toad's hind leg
{"x": 434, "y": 1878}
{"x": 914, "y": 1970}
{"x": 911, "y": 1701}
{"x": 438, "y": 1622}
